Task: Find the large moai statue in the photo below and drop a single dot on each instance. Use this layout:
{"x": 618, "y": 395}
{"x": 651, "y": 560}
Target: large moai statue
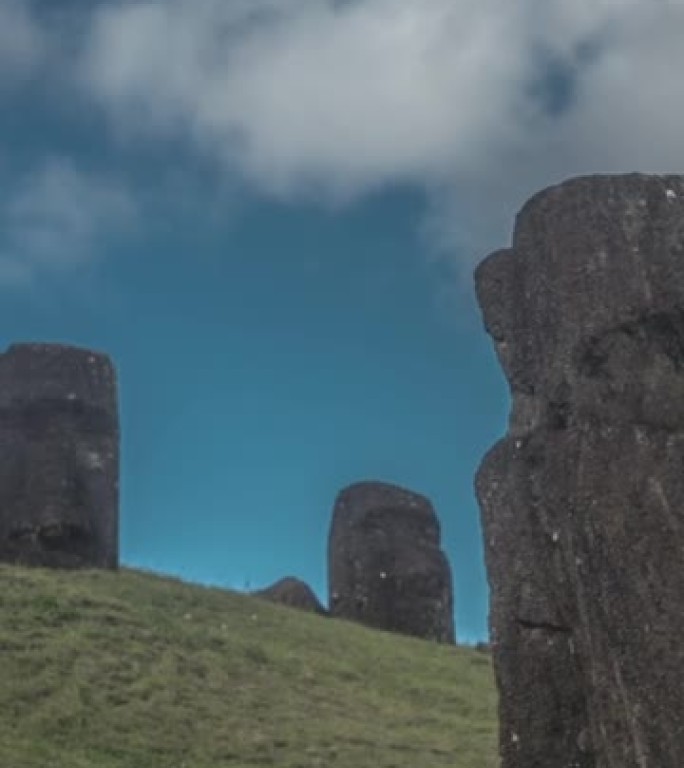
{"x": 59, "y": 457}
{"x": 583, "y": 500}
{"x": 385, "y": 565}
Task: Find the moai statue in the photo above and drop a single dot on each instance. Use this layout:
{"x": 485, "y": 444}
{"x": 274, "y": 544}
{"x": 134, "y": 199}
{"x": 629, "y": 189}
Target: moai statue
{"x": 385, "y": 565}
{"x": 293, "y": 593}
{"x": 583, "y": 500}
{"x": 59, "y": 457}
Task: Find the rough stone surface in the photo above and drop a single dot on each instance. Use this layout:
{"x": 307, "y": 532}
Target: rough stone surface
{"x": 386, "y": 568}
{"x": 59, "y": 457}
{"x": 293, "y": 593}
{"x": 583, "y": 500}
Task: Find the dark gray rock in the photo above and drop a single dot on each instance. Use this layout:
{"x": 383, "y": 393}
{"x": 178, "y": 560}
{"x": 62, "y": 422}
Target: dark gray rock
{"x": 583, "y": 501}
{"x": 292, "y": 593}
{"x": 385, "y": 565}
{"x": 59, "y": 457}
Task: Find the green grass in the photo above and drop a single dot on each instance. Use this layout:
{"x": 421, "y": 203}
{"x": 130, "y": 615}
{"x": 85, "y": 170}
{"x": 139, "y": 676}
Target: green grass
{"x": 131, "y": 670}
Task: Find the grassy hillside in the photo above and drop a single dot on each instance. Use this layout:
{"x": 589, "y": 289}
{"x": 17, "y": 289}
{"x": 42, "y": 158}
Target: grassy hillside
{"x": 131, "y": 670}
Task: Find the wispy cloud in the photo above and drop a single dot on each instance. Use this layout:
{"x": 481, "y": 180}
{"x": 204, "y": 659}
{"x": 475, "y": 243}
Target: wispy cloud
{"x": 22, "y": 43}
{"x": 57, "y": 218}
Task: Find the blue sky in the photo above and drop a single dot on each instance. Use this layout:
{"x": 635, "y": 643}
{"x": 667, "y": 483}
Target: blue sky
{"x": 268, "y": 214}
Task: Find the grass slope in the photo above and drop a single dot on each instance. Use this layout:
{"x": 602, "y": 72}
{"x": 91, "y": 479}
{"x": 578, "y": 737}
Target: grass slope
{"x": 132, "y": 670}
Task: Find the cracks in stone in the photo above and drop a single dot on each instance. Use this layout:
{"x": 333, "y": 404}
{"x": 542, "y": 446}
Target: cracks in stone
{"x": 547, "y": 626}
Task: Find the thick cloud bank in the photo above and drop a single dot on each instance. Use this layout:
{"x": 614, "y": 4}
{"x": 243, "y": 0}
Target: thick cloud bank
{"x": 477, "y": 102}
{"x": 329, "y": 100}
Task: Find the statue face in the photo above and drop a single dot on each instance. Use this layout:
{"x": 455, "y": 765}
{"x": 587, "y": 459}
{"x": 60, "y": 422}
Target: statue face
{"x": 58, "y": 470}
{"x": 400, "y": 525}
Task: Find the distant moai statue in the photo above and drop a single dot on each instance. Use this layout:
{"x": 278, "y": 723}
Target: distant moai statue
{"x": 385, "y": 565}
{"x": 293, "y": 593}
{"x": 59, "y": 457}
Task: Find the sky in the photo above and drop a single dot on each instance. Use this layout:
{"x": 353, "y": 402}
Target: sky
{"x": 267, "y": 212}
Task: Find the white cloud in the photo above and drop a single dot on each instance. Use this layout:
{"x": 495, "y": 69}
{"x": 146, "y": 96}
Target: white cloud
{"x": 313, "y": 98}
{"x": 310, "y": 98}
{"x": 59, "y": 217}
{"x": 326, "y": 101}
{"x": 632, "y": 108}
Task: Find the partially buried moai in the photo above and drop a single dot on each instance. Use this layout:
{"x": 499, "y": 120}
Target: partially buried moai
{"x": 293, "y": 593}
{"x": 385, "y": 565}
{"x": 583, "y": 500}
{"x": 59, "y": 457}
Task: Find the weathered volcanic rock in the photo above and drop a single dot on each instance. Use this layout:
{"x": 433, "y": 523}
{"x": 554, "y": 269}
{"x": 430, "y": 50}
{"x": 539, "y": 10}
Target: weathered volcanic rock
{"x": 583, "y": 500}
{"x": 59, "y": 457}
{"x": 293, "y": 593}
{"x": 385, "y": 565}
